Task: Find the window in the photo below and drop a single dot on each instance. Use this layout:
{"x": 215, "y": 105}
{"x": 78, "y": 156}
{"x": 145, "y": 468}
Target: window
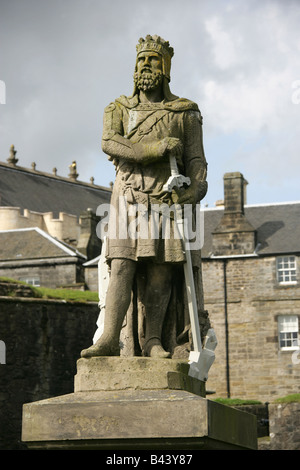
{"x": 288, "y": 332}
{"x": 32, "y": 281}
{"x": 286, "y": 270}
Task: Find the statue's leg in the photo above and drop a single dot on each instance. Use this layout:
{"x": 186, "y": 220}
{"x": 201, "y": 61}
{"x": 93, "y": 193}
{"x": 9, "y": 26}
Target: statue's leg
{"x": 157, "y": 297}
{"x": 118, "y": 299}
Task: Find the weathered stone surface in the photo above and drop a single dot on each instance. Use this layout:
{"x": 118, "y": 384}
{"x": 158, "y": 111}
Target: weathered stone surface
{"x": 135, "y": 373}
{"x": 284, "y": 426}
{"x": 15, "y": 289}
{"x": 94, "y": 419}
{"x": 134, "y": 403}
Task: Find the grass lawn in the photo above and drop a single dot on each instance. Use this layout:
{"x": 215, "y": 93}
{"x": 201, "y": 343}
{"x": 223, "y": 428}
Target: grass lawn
{"x": 62, "y": 294}
{"x": 293, "y": 398}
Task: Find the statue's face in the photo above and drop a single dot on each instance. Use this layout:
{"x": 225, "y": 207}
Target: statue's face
{"x": 148, "y": 74}
{"x": 149, "y": 62}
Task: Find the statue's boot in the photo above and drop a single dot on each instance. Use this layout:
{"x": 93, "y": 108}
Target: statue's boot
{"x": 105, "y": 346}
{"x": 117, "y": 302}
{"x": 109, "y": 342}
{"x": 155, "y": 314}
{"x": 153, "y": 348}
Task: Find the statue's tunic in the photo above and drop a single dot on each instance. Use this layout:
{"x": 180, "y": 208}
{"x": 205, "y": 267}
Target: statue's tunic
{"x": 133, "y": 136}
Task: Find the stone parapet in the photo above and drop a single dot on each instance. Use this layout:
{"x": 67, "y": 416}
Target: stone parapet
{"x": 65, "y": 227}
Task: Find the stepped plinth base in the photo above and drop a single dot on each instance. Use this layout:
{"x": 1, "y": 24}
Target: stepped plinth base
{"x": 147, "y": 405}
{"x": 135, "y": 373}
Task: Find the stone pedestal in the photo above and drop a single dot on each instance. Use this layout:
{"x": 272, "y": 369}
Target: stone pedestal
{"x": 135, "y": 373}
{"x": 135, "y": 404}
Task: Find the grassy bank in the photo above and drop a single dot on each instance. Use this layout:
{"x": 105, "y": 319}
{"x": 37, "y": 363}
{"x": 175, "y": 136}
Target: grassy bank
{"x": 293, "y": 398}
{"x": 46, "y": 293}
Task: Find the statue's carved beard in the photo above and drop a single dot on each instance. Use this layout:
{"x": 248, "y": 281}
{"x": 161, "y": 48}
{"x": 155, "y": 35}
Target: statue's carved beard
{"x": 148, "y": 81}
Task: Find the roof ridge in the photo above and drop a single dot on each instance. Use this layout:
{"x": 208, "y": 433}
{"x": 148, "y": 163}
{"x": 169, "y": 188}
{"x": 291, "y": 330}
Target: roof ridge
{"x": 45, "y": 174}
{"x": 246, "y": 206}
{"x": 272, "y": 204}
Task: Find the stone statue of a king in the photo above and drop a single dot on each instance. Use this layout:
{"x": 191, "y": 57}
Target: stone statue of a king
{"x": 146, "y": 297}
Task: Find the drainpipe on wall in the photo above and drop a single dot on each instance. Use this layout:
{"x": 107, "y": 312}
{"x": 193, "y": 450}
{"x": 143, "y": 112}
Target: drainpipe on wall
{"x": 226, "y": 328}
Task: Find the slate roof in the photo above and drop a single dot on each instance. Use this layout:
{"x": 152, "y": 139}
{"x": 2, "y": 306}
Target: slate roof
{"x": 32, "y": 243}
{"x": 42, "y": 192}
{"x": 277, "y": 226}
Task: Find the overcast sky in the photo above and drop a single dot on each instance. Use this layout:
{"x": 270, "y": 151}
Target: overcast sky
{"x": 63, "y": 61}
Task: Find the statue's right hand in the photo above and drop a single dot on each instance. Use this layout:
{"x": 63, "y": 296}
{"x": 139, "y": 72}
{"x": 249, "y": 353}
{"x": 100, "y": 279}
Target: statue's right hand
{"x": 174, "y": 146}
{"x": 149, "y": 153}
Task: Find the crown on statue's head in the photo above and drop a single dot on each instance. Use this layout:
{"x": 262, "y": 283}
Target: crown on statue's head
{"x": 157, "y": 44}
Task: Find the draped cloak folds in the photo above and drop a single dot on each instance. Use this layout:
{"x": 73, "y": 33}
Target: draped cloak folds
{"x": 133, "y": 137}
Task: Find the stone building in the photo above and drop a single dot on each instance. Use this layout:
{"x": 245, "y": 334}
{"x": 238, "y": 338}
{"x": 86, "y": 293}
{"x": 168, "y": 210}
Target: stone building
{"x": 47, "y": 224}
{"x": 252, "y": 292}
{"x": 33, "y": 256}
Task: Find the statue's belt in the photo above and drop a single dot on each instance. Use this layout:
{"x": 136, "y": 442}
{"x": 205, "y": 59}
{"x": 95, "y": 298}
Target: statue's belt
{"x": 160, "y": 205}
{"x": 134, "y": 196}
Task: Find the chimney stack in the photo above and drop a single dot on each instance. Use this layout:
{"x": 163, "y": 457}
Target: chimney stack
{"x": 234, "y": 235}
{"x": 234, "y": 193}
{"x": 89, "y": 244}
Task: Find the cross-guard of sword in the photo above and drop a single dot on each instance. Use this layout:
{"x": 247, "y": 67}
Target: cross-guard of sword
{"x": 202, "y": 357}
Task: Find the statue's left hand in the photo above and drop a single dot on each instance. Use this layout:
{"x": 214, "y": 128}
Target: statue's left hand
{"x": 185, "y": 196}
{"x": 193, "y": 194}
{"x": 174, "y": 146}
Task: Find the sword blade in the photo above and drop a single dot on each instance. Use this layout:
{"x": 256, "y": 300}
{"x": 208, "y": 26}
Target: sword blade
{"x": 192, "y": 302}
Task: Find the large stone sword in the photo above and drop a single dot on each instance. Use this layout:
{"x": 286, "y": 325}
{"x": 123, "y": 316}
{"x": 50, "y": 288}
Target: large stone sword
{"x": 201, "y": 358}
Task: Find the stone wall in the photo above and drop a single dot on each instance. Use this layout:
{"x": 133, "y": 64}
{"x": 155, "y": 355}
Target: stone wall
{"x": 278, "y": 425}
{"x": 284, "y": 419}
{"x": 258, "y": 369}
{"x": 43, "y": 340}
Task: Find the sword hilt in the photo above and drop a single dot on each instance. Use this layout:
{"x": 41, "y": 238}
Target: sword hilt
{"x": 176, "y": 180}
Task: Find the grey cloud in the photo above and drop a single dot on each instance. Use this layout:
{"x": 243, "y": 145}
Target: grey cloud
{"x": 63, "y": 62}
